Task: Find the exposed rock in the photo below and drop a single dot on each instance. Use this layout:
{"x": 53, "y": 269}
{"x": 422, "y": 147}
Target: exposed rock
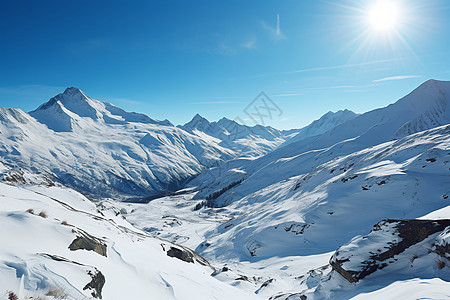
{"x": 185, "y": 254}
{"x": 242, "y": 278}
{"x": 442, "y": 244}
{"x": 265, "y": 284}
{"x": 86, "y": 241}
{"x": 365, "y": 255}
{"x": 14, "y": 177}
{"x": 96, "y": 284}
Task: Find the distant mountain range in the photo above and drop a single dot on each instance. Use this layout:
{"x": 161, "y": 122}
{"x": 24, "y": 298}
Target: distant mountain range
{"x": 104, "y": 151}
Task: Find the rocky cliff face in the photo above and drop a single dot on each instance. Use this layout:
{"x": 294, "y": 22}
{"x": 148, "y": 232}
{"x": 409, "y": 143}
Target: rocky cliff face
{"x": 387, "y": 239}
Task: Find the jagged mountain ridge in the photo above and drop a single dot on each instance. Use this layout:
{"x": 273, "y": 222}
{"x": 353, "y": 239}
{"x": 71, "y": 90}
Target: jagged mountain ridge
{"x": 327, "y": 122}
{"x": 247, "y": 140}
{"x": 259, "y": 140}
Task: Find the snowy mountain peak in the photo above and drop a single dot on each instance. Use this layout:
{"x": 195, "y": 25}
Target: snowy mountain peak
{"x": 199, "y": 118}
{"x": 429, "y": 103}
{"x": 197, "y": 122}
{"x": 74, "y": 109}
{"x": 73, "y": 91}
{"x": 325, "y": 123}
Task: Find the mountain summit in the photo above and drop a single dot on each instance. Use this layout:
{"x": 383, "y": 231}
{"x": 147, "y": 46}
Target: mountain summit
{"x": 73, "y": 109}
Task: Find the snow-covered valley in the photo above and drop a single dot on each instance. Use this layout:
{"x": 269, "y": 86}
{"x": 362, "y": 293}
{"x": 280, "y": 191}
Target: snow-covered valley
{"x": 97, "y": 202}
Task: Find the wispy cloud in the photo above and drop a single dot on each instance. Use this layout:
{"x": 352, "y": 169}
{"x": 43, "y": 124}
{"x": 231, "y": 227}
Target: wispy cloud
{"x": 250, "y": 44}
{"x": 401, "y": 77}
{"x": 36, "y": 90}
{"x": 124, "y": 100}
{"x": 275, "y": 31}
{"x": 322, "y": 88}
{"x": 336, "y": 67}
{"x": 288, "y": 94}
{"x": 214, "y": 102}
{"x": 341, "y": 66}
{"x": 278, "y": 25}
{"x": 228, "y": 46}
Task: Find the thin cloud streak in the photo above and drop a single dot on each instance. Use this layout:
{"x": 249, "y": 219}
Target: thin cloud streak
{"x": 326, "y": 68}
{"x": 341, "y": 66}
{"x": 278, "y": 25}
{"x": 125, "y": 100}
{"x": 215, "y": 102}
{"x": 397, "y": 78}
{"x": 276, "y": 31}
{"x": 306, "y": 90}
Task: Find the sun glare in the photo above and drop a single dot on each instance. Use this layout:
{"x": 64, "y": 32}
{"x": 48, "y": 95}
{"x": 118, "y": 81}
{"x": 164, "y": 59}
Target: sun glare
{"x": 384, "y": 15}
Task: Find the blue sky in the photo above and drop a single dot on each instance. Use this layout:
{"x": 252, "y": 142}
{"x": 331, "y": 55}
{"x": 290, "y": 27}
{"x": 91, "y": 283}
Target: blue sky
{"x": 173, "y": 59}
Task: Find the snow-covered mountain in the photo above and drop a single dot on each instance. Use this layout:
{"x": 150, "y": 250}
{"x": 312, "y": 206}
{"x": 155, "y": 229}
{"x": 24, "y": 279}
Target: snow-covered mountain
{"x": 425, "y": 107}
{"x": 325, "y": 123}
{"x": 102, "y": 150}
{"x": 248, "y": 140}
{"x": 254, "y": 141}
{"x": 73, "y": 110}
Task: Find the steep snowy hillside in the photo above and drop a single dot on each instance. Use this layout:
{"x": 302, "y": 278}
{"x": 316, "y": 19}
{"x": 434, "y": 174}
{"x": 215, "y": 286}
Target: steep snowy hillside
{"x": 327, "y": 122}
{"x": 56, "y": 244}
{"x": 102, "y": 150}
{"x": 247, "y": 140}
{"x": 319, "y": 210}
{"x": 278, "y": 241}
{"x": 425, "y": 107}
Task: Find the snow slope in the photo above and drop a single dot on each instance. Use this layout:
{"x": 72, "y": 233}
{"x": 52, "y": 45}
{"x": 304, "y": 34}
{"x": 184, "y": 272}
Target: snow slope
{"x": 425, "y": 107}
{"x": 38, "y": 225}
{"x": 102, "y": 150}
{"x": 282, "y": 236}
{"x": 319, "y": 210}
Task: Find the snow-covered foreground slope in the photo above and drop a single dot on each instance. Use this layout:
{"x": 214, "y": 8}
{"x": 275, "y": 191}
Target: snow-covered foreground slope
{"x": 55, "y": 242}
{"x": 102, "y": 150}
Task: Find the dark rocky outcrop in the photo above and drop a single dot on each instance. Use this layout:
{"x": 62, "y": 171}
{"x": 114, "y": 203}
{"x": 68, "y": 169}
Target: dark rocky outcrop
{"x": 86, "y": 241}
{"x": 185, "y": 254}
{"x": 96, "y": 284}
{"x": 442, "y": 244}
{"x": 388, "y": 238}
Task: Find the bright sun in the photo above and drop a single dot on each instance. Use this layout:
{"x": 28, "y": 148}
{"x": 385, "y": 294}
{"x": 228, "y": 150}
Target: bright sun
{"x": 384, "y": 15}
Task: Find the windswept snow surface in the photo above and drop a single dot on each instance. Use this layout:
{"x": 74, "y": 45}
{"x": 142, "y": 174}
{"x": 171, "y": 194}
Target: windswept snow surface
{"x": 282, "y": 236}
{"x": 35, "y": 259}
